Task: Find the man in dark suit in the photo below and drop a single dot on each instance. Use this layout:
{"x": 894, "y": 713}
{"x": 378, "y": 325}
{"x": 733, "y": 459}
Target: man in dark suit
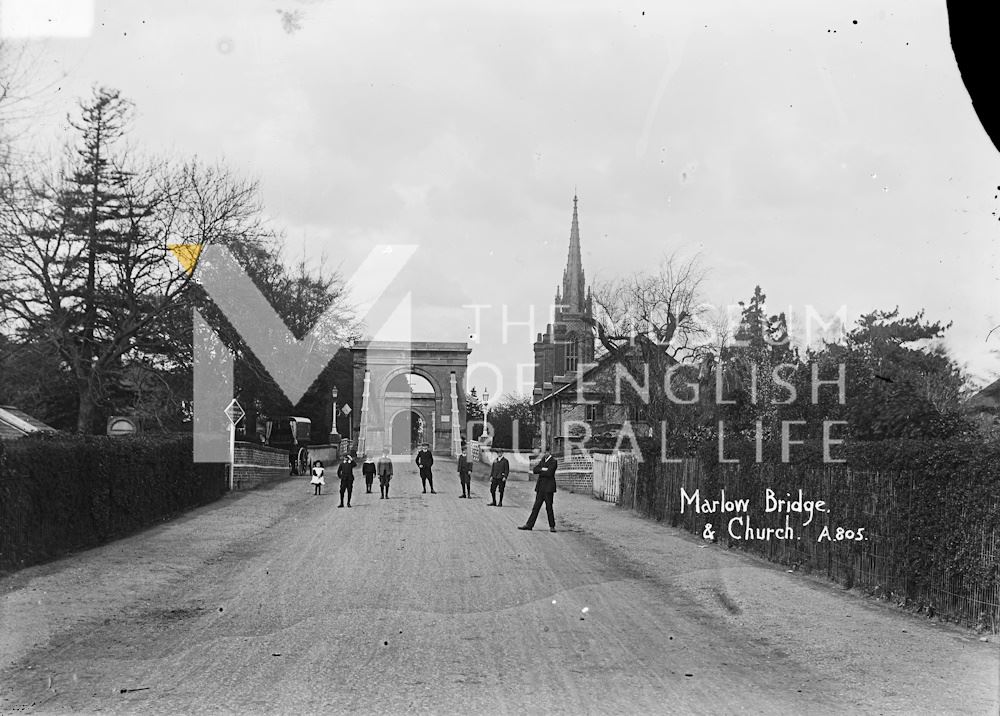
{"x": 545, "y": 490}
{"x": 424, "y": 461}
{"x": 345, "y": 471}
{"x": 465, "y": 473}
{"x": 498, "y": 478}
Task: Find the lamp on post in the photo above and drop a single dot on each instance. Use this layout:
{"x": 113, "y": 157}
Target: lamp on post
{"x": 486, "y": 413}
{"x": 333, "y": 419}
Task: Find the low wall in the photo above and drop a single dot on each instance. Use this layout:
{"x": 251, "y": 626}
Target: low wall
{"x": 258, "y": 464}
{"x": 575, "y": 473}
{"x": 327, "y": 454}
{"x": 520, "y": 468}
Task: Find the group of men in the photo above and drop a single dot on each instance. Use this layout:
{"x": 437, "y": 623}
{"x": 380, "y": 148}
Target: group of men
{"x": 545, "y": 485}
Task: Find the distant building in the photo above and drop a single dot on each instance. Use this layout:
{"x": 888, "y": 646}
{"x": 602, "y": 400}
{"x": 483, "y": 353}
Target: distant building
{"x": 565, "y": 353}
{"x": 984, "y": 409}
{"x": 16, "y": 423}
{"x": 987, "y": 399}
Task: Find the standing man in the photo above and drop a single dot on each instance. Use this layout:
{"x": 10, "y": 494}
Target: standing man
{"x": 424, "y": 461}
{"x": 498, "y": 478}
{"x": 545, "y": 490}
{"x": 346, "y": 474}
{"x": 384, "y": 468}
{"x": 465, "y": 473}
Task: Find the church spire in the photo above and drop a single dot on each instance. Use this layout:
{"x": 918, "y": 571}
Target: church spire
{"x": 573, "y": 294}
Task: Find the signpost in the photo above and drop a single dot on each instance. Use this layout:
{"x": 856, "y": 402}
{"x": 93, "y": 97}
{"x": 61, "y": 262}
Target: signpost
{"x": 346, "y": 410}
{"x": 234, "y": 411}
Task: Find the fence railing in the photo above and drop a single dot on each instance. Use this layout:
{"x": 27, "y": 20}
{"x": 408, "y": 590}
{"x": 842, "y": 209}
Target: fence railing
{"x": 608, "y": 471}
{"x": 883, "y": 560}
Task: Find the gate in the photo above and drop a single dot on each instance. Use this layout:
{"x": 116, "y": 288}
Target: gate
{"x": 608, "y": 475}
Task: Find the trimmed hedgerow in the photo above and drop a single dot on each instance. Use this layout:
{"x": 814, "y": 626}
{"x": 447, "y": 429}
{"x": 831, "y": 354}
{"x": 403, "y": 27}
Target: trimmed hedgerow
{"x": 930, "y": 510}
{"x": 60, "y": 493}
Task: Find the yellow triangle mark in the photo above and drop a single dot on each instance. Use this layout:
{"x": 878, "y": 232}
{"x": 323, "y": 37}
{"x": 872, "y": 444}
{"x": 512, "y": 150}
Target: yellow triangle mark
{"x": 186, "y": 254}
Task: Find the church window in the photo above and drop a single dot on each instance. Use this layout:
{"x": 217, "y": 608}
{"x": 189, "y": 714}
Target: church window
{"x": 571, "y": 356}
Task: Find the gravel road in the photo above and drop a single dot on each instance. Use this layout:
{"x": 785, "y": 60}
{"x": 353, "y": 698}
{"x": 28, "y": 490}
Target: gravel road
{"x": 276, "y": 601}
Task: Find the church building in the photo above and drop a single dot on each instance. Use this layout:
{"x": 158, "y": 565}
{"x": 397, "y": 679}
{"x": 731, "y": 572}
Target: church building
{"x": 564, "y": 355}
{"x": 569, "y": 341}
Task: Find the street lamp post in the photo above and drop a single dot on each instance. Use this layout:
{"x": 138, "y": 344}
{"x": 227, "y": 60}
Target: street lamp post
{"x": 333, "y": 419}
{"x": 486, "y": 414}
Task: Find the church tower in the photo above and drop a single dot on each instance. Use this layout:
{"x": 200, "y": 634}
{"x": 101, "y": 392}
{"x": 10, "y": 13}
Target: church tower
{"x": 569, "y": 341}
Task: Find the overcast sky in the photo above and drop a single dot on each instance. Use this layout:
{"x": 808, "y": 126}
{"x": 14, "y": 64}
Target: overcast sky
{"x": 827, "y": 151}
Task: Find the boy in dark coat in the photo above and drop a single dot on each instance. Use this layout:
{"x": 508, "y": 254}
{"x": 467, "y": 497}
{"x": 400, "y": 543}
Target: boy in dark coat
{"x": 368, "y": 470}
{"x": 384, "y": 468}
{"x": 424, "y": 461}
{"x": 465, "y": 473}
{"x": 498, "y": 477}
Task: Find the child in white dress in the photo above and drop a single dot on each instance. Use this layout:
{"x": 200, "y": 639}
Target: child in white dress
{"x": 317, "y": 477}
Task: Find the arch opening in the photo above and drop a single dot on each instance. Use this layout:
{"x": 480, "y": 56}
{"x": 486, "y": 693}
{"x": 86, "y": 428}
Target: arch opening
{"x": 408, "y": 431}
{"x": 411, "y": 383}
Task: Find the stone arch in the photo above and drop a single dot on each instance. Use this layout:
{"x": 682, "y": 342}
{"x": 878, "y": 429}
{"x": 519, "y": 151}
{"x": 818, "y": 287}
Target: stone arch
{"x": 442, "y": 365}
{"x": 416, "y": 370}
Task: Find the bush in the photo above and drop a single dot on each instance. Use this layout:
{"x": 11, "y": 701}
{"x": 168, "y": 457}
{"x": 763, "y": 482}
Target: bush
{"x": 60, "y": 493}
{"x": 930, "y": 509}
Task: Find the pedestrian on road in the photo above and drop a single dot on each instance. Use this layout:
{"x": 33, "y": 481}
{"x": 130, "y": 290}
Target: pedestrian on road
{"x": 368, "y": 470}
{"x": 317, "y": 477}
{"x": 545, "y": 490}
{"x": 465, "y": 473}
{"x": 424, "y": 461}
{"x": 346, "y": 474}
{"x": 384, "y": 468}
{"x": 498, "y": 478}
{"x": 292, "y": 460}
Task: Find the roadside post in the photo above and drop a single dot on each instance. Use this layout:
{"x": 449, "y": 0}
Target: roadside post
{"x": 234, "y": 411}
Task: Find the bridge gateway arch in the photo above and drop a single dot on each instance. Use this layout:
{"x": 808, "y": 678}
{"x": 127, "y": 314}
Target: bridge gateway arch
{"x": 410, "y": 392}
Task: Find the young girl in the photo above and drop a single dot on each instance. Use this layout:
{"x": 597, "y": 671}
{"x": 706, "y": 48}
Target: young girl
{"x": 317, "y": 477}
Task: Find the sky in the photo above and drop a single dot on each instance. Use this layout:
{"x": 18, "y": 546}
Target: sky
{"x": 826, "y": 151}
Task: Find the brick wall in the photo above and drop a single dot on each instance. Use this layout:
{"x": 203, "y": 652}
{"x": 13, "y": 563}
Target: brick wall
{"x": 575, "y": 473}
{"x": 575, "y": 480}
{"x": 258, "y": 464}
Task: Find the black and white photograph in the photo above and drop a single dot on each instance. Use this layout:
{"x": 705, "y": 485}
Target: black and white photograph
{"x": 499, "y": 357}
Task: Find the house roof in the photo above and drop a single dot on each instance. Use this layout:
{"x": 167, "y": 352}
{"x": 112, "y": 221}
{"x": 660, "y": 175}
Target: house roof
{"x": 600, "y": 363}
{"x": 16, "y": 423}
{"x": 988, "y": 397}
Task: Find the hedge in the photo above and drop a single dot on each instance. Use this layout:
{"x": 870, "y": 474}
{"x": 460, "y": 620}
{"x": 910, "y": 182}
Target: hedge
{"x": 931, "y": 509}
{"x": 60, "y": 493}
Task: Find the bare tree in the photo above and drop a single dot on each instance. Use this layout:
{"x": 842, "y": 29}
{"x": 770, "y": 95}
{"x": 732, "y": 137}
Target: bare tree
{"x": 651, "y": 321}
{"x": 86, "y": 268}
{"x": 28, "y": 89}
{"x": 659, "y": 311}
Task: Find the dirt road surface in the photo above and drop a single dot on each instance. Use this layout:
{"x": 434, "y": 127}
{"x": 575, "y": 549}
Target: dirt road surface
{"x": 277, "y": 601}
